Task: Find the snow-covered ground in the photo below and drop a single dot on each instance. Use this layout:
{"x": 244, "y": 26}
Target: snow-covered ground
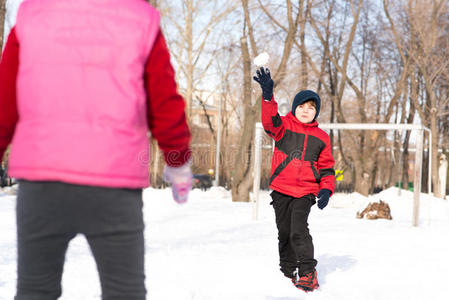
{"x": 212, "y": 249}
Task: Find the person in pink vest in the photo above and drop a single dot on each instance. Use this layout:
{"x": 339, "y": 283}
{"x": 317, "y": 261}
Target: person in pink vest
{"x": 81, "y": 85}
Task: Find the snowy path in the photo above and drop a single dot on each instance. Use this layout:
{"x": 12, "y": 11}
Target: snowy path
{"x": 211, "y": 249}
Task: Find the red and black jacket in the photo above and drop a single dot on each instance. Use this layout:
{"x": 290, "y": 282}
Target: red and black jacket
{"x": 302, "y": 160}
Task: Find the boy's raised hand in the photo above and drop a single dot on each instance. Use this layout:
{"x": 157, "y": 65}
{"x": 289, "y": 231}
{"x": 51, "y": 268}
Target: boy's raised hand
{"x": 181, "y": 181}
{"x": 323, "y": 198}
{"x": 263, "y": 77}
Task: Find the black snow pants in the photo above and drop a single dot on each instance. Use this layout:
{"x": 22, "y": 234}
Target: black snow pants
{"x": 295, "y": 242}
{"x": 50, "y": 214}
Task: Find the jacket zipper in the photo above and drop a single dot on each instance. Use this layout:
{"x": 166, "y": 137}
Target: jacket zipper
{"x": 305, "y": 146}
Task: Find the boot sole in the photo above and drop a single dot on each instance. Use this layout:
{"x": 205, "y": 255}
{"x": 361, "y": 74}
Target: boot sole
{"x": 307, "y": 289}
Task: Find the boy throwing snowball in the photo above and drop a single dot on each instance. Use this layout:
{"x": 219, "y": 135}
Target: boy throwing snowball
{"x": 301, "y": 170}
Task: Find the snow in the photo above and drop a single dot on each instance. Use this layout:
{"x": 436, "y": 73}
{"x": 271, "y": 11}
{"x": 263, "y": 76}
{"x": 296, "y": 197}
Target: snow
{"x": 12, "y": 6}
{"x": 211, "y": 248}
{"x": 261, "y": 59}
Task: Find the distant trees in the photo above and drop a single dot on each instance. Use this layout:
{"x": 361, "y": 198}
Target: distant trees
{"x": 370, "y": 61}
{"x": 192, "y": 28}
{"x": 250, "y": 47}
{"x": 420, "y": 31}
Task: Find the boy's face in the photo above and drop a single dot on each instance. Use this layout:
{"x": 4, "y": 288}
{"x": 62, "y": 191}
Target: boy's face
{"x": 305, "y": 112}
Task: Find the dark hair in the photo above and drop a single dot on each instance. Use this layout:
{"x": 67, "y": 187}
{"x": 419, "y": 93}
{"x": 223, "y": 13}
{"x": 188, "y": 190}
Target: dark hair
{"x": 311, "y": 101}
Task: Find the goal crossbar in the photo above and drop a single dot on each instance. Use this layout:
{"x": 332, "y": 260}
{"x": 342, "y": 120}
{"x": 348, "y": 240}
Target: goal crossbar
{"x": 419, "y": 128}
{"x": 372, "y": 126}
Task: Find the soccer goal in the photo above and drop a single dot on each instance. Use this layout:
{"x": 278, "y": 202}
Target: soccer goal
{"x": 419, "y": 129}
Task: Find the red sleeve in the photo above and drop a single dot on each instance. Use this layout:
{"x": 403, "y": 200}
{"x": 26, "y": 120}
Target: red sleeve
{"x": 9, "y": 65}
{"x": 326, "y": 167}
{"x": 271, "y": 120}
{"x": 166, "y": 115}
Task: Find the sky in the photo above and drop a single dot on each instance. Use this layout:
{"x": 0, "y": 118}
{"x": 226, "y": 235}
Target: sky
{"x": 11, "y": 12}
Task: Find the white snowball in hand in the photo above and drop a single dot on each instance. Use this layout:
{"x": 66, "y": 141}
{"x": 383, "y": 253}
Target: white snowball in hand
{"x": 261, "y": 59}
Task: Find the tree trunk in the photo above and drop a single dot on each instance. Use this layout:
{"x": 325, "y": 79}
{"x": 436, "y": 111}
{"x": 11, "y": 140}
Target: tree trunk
{"x": 243, "y": 176}
{"x": 190, "y": 63}
{"x": 405, "y": 166}
{"x": 362, "y": 182}
{"x": 153, "y": 3}
{"x": 302, "y": 29}
{"x": 156, "y": 177}
{"x": 405, "y": 155}
{"x": 363, "y": 172}
{"x": 2, "y": 21}
{"x": 435, "y": 159}
{"x": 241, "y": 181}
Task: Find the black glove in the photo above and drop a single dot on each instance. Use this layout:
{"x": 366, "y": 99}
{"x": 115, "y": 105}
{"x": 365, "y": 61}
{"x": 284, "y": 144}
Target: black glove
{"x": 323, "y": 198}
{"x": 266, "y": 83}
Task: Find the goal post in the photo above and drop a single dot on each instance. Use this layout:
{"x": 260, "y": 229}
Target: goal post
{"x": 418, "y": 128}
{"x": 257, "y": 168}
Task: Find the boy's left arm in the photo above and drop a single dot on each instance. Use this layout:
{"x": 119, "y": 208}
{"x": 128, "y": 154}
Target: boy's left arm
{"x": 326, "y": 167}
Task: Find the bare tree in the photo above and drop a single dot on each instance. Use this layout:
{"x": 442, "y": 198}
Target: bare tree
{"x": 153, "y": 2}
{"x": 424, "y": 41}
{"x": 339, "y": 57}
{"x": 242, "y": 178}
{"x": 227, "y": 67}
{"x": 191, "y": 28}
{"x": 192, "y": 24}
{"x": 370, "y": 63}
{"x": 352, "y": 61}
{"x": 2, "y": 21}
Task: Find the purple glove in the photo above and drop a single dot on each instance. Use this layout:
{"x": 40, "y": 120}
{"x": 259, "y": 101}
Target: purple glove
{"x": 181, "y": 181}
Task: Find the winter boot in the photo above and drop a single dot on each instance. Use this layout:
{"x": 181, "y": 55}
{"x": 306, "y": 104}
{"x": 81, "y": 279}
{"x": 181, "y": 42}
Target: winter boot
{"x": 307, "y": 282}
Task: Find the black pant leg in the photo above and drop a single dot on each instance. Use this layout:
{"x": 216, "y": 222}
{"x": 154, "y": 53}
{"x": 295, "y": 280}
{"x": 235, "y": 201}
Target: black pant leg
{"x": 116, "y": 238}
{"x": 50, "y": 214}
{"x": 42, "y": 240}
{"x": 120, "y": 263}
{"x": 300, "y": 237}
{"x": 282, "y": 209}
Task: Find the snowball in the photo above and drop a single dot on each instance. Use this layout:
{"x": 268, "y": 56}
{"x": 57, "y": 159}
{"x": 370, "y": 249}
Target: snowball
{"x": 261, "y": 59}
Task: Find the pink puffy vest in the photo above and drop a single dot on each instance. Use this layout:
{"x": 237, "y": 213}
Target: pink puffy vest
{"x": 80, "y": 92}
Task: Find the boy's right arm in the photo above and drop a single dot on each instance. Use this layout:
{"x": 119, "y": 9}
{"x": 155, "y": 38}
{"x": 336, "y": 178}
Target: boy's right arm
{"x": 271, "y": 120}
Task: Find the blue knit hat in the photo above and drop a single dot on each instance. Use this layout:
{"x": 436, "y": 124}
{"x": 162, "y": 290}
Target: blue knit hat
{"x": 304, "y": 96}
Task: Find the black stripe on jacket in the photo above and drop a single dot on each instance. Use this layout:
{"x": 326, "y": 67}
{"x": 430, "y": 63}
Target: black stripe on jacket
{"x": 313, "y": 148}
{"x": 291, "y": 144}
{"x": 327, "y": 172}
